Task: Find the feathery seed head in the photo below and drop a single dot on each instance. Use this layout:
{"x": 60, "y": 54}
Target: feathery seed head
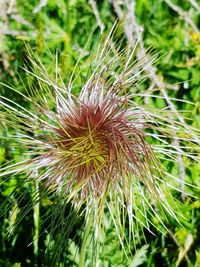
{"x": 97, "y": 143}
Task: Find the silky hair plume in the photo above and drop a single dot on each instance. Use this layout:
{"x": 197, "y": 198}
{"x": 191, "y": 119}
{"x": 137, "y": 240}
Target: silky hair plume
{"x": 99, "y": 149}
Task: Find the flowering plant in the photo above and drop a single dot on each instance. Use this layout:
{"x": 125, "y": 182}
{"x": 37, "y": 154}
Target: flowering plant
{"x": 101, "y": 149}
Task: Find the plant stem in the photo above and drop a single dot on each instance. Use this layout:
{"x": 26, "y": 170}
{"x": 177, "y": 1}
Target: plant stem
{"x": 85, "y": 242}
{"x": 36, "y": 215}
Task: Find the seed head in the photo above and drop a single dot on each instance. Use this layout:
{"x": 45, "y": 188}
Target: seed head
{"x": 97, "y": 142}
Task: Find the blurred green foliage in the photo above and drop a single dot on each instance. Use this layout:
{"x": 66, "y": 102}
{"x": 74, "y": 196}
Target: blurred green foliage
{"x": 66, "y": 26}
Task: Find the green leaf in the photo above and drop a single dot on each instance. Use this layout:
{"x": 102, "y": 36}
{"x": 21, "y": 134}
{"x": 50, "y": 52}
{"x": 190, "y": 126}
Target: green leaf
{"x": 140, "y": 256}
